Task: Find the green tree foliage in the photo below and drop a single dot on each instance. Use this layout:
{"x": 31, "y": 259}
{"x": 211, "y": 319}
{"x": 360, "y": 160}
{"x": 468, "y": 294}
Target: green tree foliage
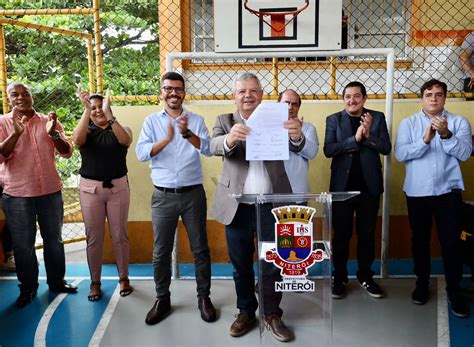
{"x": 52, "y": 64}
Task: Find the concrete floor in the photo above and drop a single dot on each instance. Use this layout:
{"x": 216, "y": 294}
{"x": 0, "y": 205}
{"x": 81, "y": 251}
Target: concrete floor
{"x": 358, "y": 320}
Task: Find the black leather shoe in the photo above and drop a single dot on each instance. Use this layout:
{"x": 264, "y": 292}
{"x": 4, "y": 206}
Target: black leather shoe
{"x": 63, "y": 288}
{"x": 420, "y": 295}
{"x": 158, "y": 312}
{"x": 459, "y": 306}
{"x": 208, "y": 312}
{"x": 25, "y": 298}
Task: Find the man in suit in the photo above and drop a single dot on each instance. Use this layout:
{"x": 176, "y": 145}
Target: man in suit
{"x": 355, "y": 138}
{"x": 240, "y": 176}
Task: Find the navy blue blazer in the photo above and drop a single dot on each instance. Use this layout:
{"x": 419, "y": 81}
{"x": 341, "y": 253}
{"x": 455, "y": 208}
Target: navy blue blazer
{"x": 340, "y": 144}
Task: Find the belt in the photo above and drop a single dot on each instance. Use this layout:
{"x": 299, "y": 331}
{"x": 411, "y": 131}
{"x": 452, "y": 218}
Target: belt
{"x": 177, "y": 190}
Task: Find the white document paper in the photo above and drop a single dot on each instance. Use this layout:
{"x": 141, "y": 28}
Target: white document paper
{"x": 268, "y": 139}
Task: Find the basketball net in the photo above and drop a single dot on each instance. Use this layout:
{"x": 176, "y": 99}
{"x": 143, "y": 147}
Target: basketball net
{"x": 277, "y": 20}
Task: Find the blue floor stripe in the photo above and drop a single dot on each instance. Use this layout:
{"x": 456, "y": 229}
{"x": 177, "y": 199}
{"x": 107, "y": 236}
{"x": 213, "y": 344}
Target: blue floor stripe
{"x": 462, "y": 329}
{"x": 396, "y": 267}
{"x": 75, "y": 320}
{"x": 18, "y": 326}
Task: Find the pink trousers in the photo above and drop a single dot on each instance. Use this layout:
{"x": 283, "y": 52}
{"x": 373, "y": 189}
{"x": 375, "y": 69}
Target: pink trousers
{"x": 99, "y": 203}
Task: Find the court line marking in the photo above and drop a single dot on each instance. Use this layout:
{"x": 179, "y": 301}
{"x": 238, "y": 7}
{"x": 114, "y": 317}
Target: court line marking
{"x": 443, "y": 314}
{"x": 42, "y": 328}
{"x": 106, "y": 318}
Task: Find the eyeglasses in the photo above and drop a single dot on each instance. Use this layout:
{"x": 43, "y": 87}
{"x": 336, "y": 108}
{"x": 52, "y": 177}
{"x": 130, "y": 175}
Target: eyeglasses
{"x": 168, "y": 89}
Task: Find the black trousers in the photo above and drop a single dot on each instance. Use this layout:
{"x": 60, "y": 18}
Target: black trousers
{"x": 446, "y": 210}
{"x": 365, "y": 208}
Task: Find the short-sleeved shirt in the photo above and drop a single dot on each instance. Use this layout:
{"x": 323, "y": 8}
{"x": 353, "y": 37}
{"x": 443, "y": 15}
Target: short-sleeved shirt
{"x": 30, "y": 170}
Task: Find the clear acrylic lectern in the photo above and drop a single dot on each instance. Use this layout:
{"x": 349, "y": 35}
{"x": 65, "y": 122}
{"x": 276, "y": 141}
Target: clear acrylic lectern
{"x": 294, "y": 263}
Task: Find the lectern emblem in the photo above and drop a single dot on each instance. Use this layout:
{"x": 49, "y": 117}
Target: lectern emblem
{"x": 293, "y": 252}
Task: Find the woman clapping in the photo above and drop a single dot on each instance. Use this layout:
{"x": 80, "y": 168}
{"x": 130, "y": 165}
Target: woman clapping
{"x": 104, "y": 192}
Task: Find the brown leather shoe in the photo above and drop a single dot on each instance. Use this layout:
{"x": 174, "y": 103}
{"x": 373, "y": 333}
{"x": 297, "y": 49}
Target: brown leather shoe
{"x": 158, "y": 312}
{"x": 208, "y": 312}
{"x": 242, "y": 324}
{"x": 279, "y": 330}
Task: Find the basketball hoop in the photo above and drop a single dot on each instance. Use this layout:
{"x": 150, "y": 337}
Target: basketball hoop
{"x": 277, "y": 18}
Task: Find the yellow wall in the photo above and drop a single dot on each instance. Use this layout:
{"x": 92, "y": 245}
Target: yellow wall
{"x": 139, "y": 173}
{"x": 453, "y": 17}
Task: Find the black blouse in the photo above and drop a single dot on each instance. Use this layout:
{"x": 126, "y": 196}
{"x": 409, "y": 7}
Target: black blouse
{"x": 103, "y": 157}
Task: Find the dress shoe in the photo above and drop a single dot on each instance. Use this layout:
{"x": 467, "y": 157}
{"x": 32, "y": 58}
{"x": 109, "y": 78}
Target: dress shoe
{"x": 25, "y": 297}
{"x": 63, "y": 287}
{"x": 159, "y": 311}
{"x": 459, "y": 306}
{"x": 242, "y": 324}
{"x": 279, "y": 330}
{"x": 208, "y": 312}
{"x": 420, "y": 295}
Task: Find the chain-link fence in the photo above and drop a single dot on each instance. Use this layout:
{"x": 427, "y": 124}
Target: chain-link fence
{"x": 53, "y": 44}
{"x": 426, "y": 36}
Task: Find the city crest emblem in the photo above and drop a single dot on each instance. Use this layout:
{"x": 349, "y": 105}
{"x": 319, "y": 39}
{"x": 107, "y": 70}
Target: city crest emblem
{"x": 293, "y": 252}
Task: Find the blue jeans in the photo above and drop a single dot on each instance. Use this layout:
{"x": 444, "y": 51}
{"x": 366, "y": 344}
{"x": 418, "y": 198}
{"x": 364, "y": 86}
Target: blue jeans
{"x": 22, "y": 214}
{"x": 241, "y": 247}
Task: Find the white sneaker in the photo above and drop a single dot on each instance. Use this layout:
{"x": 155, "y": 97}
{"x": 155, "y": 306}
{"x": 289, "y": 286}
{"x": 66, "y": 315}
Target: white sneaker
{"x": 9, "y": 265}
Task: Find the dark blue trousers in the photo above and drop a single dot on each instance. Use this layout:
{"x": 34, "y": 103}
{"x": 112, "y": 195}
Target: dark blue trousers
{"x": 240, "y": 235}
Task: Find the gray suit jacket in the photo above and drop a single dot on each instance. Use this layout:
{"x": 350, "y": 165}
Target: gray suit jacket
{"x": 340, "y": 144}
{"x": 235, "y": 169}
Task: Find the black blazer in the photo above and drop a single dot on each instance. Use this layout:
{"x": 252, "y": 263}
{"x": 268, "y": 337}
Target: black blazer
{"x": 340, "y": 143}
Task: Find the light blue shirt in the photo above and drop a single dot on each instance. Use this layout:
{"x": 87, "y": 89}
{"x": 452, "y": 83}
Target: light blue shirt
{"x": 432, "y": 169}
{"x": 298, "y": 165}
{"x": 178, "y": 164}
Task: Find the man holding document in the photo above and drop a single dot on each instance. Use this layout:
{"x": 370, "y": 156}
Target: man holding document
{"x": 264, "y": 175}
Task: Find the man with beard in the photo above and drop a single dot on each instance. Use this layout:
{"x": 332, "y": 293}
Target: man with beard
{"x": 173, "y": 139}
{"x": 32, "y": 190}
{"x": 355, "y": 138}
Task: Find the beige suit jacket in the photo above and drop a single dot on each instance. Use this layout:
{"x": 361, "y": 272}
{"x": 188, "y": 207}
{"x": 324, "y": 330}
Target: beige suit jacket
{"x": 235, "y": 169}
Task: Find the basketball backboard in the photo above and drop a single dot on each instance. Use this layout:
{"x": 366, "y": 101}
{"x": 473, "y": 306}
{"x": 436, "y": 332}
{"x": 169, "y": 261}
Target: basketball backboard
{"x": 277, "y": 25}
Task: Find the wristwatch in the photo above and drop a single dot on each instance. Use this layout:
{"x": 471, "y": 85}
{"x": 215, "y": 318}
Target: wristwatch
{"x": 187, "y": 134}
{"x": 299, "y": 139}
{"x": 112, "y": 121}
{"x": 447, "y": 136}
{"x": 56, "y": 135}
